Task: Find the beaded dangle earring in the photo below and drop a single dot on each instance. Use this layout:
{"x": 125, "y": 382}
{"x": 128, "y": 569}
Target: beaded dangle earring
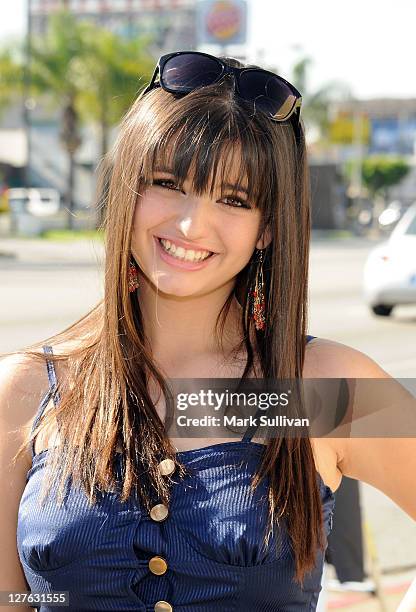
{"x": 133, "y": 276}
{"x": 258, "y": 302}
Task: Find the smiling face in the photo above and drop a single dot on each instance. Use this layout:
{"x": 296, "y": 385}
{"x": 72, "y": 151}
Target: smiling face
{"x": 190, "y": 245}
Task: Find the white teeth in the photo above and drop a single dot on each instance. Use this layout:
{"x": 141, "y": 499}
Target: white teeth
{"x": 184, "y": 254}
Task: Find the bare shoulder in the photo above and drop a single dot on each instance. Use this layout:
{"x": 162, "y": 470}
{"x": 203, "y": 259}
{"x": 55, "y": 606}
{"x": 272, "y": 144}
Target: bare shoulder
{"x": 326, "y": 358}
{"x": 23, "y": 384}
{"x": 21, "y": 378}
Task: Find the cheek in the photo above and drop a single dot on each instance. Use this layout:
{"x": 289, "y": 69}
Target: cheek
{"x": 146, "y": 210}
{"x": 240, "y": 238}
{"x": 142, "y": 220}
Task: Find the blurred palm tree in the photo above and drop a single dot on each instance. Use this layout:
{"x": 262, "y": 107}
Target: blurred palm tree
{"x": 53, "y": 57}
{"x": 11, "y": 77}
{"x": 109, "y": 76}
{"x": 93, "y": 75}
{"x": 317, "y": 103}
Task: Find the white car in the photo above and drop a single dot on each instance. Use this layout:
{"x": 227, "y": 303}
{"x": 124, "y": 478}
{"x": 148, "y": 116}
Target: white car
{"x": 39, "y": 202}
{"x": 390, "y": 270}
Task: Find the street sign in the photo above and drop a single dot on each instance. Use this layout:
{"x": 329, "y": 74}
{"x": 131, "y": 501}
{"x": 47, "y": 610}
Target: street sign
{"x": 221, "y": 22}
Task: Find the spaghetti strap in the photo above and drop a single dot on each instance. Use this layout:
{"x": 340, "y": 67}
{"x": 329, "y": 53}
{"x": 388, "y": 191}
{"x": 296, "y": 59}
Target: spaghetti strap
{"x": 253, "y": 428}
{"x": 53, "y": 383}
{"x": 52, "y": 392}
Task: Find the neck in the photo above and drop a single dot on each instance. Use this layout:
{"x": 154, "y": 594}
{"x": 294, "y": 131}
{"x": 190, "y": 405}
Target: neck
{"x": 172, "y": 324}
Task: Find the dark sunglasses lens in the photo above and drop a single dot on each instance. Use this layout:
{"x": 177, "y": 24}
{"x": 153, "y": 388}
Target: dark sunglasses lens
{"x": 189, "y": 71}
{"x": 268, "y": 92}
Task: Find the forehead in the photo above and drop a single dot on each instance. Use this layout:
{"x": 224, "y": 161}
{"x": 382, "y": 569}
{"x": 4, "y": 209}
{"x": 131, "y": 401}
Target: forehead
{"x": 207, "y": 170}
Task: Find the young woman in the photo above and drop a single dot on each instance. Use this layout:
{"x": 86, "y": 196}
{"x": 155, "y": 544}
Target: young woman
{"x": 207, "y": 243}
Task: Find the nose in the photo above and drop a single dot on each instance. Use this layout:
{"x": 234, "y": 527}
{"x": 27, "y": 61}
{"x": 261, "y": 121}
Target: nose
{"x": 192, "y": 221}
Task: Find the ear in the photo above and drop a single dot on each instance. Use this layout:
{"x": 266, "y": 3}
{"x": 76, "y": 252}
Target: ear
{"x": 265, "y": 239}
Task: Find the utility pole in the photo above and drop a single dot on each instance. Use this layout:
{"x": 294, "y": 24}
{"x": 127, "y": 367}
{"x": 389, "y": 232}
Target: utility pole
{"x": 27, "y": 102}
{"x": 358, "y": 149}
{"x": 71, "y": 139}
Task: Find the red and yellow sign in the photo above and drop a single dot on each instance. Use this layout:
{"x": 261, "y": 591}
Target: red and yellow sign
{"x": 346, "y": 128}
{"x": 224, "y": 20}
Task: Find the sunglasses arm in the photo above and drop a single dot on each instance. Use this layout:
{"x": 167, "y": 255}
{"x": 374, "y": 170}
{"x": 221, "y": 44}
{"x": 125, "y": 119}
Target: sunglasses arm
{"x": 295, "y": 121}
{"x": 152, "y": 82}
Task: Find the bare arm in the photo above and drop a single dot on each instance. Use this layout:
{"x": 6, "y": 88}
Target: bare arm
{"x": 17, "y": 409}
{"x": 387, "y": 463}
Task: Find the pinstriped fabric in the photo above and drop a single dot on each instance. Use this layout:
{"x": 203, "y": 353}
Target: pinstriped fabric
{"x": 211, "y": 542}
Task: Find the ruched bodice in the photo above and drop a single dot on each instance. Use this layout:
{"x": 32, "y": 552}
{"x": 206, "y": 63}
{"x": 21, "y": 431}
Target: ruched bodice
{"x": 205, "y": 553}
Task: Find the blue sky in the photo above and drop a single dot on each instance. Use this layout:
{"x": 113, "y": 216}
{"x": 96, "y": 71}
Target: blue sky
{"x": 366, "y": 44}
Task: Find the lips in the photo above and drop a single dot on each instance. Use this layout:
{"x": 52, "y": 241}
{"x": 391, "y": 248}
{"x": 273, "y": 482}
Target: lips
{"x": 181, "y": 263}
{"x": 186, "y": 245}
{"x": 162, "y": 246}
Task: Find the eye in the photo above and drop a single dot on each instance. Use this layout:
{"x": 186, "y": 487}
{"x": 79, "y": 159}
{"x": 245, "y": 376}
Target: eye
{"x": 166, "y": 183}
{"x": 236, "y": 203}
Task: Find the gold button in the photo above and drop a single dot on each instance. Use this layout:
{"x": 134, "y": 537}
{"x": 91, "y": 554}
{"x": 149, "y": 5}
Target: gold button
{"x": 163, "y": 606}
{"x": 158, "y": 566}
{"x": 159, "y": 512}
{"x": 166, "y": 467}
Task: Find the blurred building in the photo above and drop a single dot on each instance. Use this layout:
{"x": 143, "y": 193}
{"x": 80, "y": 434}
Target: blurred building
{"x": 171, "y": 22}
{"x": 379, "y": 126}
{"x": 328, "y": 196}
{"x": 392, "y": 123}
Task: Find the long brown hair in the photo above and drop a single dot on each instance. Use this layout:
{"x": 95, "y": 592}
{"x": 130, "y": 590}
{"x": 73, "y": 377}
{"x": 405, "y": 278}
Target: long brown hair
{"x": 105, "y": 399}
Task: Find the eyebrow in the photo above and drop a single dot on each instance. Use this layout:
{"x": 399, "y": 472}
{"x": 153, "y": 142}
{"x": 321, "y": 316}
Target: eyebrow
{"x": 235, "y": 188}
{"x": 232, "y": 186}
{"x": 163, "y": 169}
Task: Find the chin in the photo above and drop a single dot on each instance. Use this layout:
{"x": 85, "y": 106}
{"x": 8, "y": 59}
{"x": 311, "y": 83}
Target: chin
{"x": 181, "y": 290}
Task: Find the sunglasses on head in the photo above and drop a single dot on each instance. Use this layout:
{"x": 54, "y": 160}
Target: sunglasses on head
{"x": 184, "y": 71}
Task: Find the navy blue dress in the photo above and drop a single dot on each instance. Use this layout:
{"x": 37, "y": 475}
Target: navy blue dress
{"x": 204, "y": 553}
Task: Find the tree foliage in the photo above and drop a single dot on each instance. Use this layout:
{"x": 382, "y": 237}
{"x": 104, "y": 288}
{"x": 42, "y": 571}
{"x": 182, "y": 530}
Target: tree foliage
{"x": 11, "y": 77}
{"x": 110, "y": 74}
{"x": 382, "y": 171}
{"x": 87, "y": 72}
{"x": 316, "y": 102}
{"x": 54, "y": 55}
{"x": 81, "y": 63}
